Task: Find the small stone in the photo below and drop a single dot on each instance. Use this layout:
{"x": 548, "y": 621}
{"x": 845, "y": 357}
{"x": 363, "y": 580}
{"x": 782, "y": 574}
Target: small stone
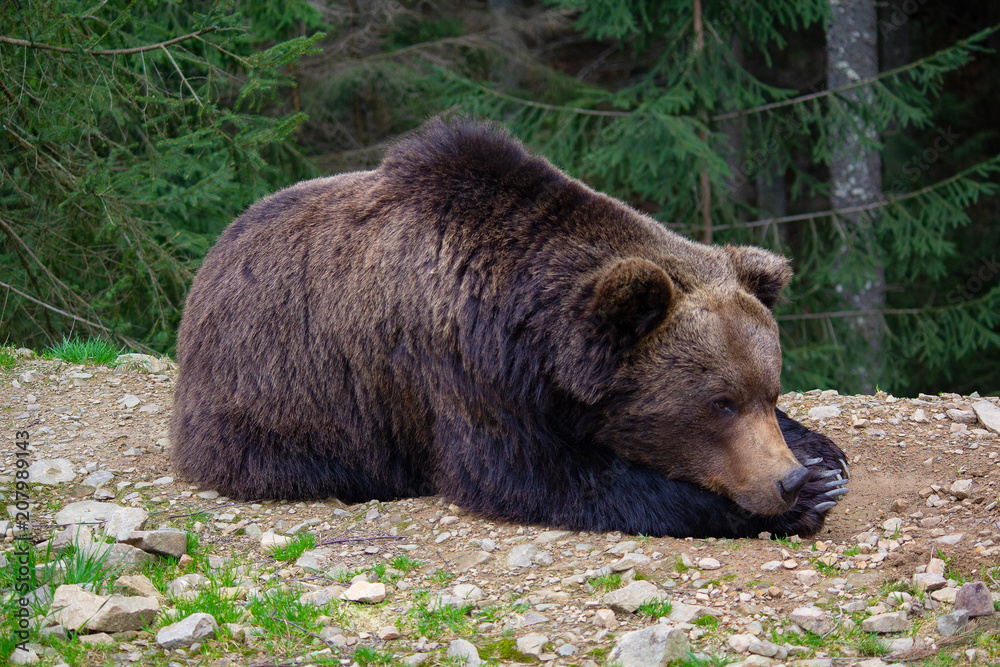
{"x": 950, "y": 540}
{"x": 194, "y": 628}
{"x": 605, "y": 618}
{"x": 629, "y": 598}
{"x": 550, "y": 536}
{"x": 469, "y": 592}
{"x": 521, "y": 556}
{"x": 824, "y": 412}
{"x": 323, "y": 596}
{"x": 919, "y": 416}
{"x": 812, "y": 619}
{"x": 165, "y": 541}
{"x": 532, "y": 643}
{"x": 126, "y": 521}
{"x": 709, "y": 564}
{"x": 988, "y": 414}
{"x": 185, "y": 583}
{"x": 362, "y": 591}
{"x": 790, "y": 564}
{"x": 464, "y": 651}
{"x": 488, "y": 545}
{"x": 652, "y": 647}
{"x": 472, "y": 559}
{"x": 771, "y": 566}
{"x": 764, "y": 648}
{"x": 961, "y": 488}
{"x": 741, "y": 642}
{"x": 885, "y": 623}
{"x": 417, "y": 659}
{"x": 975, "y": 598}
{"x": 689, "y": 613}
{"x": 928, "y": 581}
{"x": 900, "y": 645}
{"x": 949, "y": 624}
{"x": 162, "y": 481}
{"x": 962, "y": 416}
{"x": 808, "y": 577}
{"x": 388, "y": 632}
{"x": 138, "y": 584}
{"x": 314, "y": 559}
{"x": 891, "y": 526}
{"x": 22, "y": 657}
{"x": 129, "y": 401}
{"x": 945, "y": 594}
{"x": 51, "y": 471}
{"x": 566, "y": 650}
{"x": 270, "y": 542}
{"x": 98, "y": 479}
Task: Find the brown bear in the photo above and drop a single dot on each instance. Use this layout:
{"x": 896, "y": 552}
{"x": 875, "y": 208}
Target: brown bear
{"x": 466, "y": 320}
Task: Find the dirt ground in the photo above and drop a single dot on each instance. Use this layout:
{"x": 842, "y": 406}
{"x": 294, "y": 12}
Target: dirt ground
{"x": 906, "y": 456}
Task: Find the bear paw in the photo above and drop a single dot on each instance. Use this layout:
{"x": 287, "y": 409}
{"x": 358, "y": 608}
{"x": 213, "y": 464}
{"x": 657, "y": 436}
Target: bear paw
{"x": 827, "y": 483}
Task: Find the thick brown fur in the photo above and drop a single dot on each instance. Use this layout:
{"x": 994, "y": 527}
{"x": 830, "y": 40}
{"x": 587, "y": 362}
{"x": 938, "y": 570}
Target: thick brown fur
{"x": 467, "y": 320}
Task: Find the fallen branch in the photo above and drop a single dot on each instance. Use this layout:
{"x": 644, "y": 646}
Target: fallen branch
{"x": 104, "y": 52}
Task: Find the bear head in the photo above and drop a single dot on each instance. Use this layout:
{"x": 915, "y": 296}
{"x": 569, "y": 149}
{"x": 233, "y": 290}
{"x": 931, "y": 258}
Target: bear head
{"x": 697, "y": 371}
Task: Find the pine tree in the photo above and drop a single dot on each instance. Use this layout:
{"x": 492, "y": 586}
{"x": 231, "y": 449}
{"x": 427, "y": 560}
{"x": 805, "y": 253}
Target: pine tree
{"x": 132, "y": 133}
{"x": 660, "y": 140}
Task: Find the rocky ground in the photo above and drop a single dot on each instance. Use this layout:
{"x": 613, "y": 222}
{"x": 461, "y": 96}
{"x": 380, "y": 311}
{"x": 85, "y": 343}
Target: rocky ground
{"x": 906, "y": 569}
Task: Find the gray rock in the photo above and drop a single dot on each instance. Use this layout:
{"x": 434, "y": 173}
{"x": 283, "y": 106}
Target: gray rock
{"x": 928, "y": 581}
{"x": 824, "y": 412}
{"x": 812, "y": 619}
{"x": 549, "y": 536}
{"x": 417, "y": 659}
{"x": 465, "y": 651}
{"x": 362, "y": 591}
{"x": 187, "y": 582}
{"x": 566, "y": 650}
{"x": 22, "y": 657}
{"x": 125, "y": 521}
{"x": 900, "y": 645}
{"x": 145, "y": 362}
{"x": 323, "y": 596}
{"x": 165, "y": 541}
{"x": 689, "y": 613}
{"x": 116, "y": 555}
{"x": 472, "y": 559}
{"x": 208, "y": 495}
{"x": 51, "y": 471}
{"x": 963, "y": 416}
{"x": 138, "y": 584}
{"x": 468, "y": 592}
{"x": 961, "y": 488}
{"x": 629, "y": 598}
{"x": 629, "y": 561}
{"x": 315, "y": 559}
{"x": 764, "y": 648}
{"x": 521, "y": 556}
{"x": 88, "y": 511}
{"x": 182, "y": 634}
{"x": 98, "y": 479}
{"x": 975, "y": 598}
{"x": 949, "y": 624}
{"x": 885, "y": 623}
{"x": 75, "y": 608}
{"x": 532, "y": 643}
{"x": 653, "y": 647}
{"x": 988, "y": 414}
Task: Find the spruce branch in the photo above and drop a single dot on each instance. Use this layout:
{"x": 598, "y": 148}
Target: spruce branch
{"x": 964, "y": 44}
{"x": 105, "y": 52}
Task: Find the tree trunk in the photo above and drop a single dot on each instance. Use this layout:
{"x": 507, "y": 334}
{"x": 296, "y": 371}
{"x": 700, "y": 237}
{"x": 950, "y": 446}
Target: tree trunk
{"x": 856, "y": 179}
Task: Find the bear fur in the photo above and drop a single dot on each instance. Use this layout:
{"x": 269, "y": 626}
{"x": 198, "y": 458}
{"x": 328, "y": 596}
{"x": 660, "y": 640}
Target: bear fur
{"x": 466, "y": 320}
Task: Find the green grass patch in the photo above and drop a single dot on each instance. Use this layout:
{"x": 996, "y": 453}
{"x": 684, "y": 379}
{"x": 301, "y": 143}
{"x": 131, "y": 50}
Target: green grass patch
{"x": 295, "y": 548}
{"x": 504, "y": 650}
{"x": 655, "y": 608}
{"x": 431, "y": 618}
{"x": 708, "y": 622}
{"x": 607, "y": 582}
{"x": 441, "y": 577}
{"x": 404, "y": 563}
{"x": 366, "y": 655}
{"x": 7, "y": 360}
{"x": 210, "y": 601}
{"x": 679, "y": 565}
{"x": 93, "y": 350}
{"x": 870, "y": 646}
{"x": 271, "y": 610}
{"x": 709, "y": 661}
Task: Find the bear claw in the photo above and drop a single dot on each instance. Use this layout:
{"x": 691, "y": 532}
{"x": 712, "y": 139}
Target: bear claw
{"x": 836, "y": 493}
{"x": 828, "y": 505}
{"x": 812, "y": 462}
{"x": 836, "y": 482}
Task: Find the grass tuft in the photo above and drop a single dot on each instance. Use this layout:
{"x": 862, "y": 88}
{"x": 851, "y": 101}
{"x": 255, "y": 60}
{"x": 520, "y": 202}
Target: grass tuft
{"x": 298, "y": 545}
{"x": 93, "y": 350}
{"x": 607, "y": 582}
{"x": 655, "y": 608}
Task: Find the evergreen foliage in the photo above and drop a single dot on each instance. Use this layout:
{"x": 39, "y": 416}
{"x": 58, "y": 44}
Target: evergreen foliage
{"x": 120, "y": 169}
{"x": 133, "y": 133}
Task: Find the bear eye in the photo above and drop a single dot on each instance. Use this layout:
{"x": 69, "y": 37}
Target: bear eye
{"x": 724, "y": 406}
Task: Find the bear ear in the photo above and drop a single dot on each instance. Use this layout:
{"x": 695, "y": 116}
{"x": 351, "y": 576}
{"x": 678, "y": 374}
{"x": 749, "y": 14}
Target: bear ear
{"x": 631, "y": 298}
{"x": 762, "y": 273}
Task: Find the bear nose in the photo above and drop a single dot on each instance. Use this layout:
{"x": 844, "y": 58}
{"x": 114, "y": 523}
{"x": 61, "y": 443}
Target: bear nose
{"x": 790, "y": 486}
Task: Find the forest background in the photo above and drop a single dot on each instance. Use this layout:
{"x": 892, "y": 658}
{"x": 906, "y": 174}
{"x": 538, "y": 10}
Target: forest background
{"x": 860, "y": 139}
